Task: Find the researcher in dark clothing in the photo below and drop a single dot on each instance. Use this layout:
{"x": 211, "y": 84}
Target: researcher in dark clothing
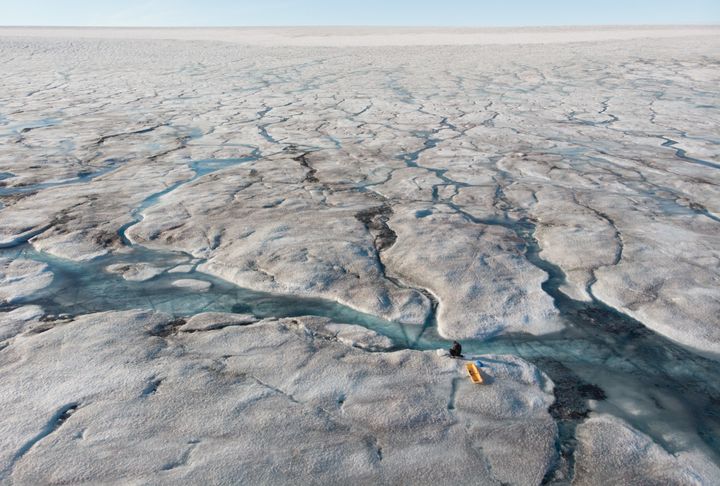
{"x": 456, "y": 350}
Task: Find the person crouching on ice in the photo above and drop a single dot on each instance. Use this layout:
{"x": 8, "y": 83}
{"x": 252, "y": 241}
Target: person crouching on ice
{"x": 456, "y": 350}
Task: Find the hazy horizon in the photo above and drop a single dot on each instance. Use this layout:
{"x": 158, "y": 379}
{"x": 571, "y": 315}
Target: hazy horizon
{"x": 372, "y": 13}
{"x": 359, "y": 26}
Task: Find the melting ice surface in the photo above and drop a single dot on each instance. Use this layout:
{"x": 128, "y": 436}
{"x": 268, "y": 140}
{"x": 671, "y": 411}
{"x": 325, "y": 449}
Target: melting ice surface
{"x": 81, "y": 288}
{"x": 82, "y": 177}
{"x": 659, "y": 387}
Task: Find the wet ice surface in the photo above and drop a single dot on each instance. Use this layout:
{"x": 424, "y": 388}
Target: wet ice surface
{"x": 89, "y": 287}
{"x": 512, "y": 198}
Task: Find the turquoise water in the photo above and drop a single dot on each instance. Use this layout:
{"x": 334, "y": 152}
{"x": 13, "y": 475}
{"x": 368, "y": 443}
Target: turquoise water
{"x": 201, "y": 168}
{"x": 635, "y": 368}
{"x": 602, "y": 359}
{"x": 81, "y": 288}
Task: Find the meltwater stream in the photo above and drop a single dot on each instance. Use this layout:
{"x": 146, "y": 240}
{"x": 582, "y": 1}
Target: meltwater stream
{"x": 603, "y": 360}
{"x": 82, "y": 288}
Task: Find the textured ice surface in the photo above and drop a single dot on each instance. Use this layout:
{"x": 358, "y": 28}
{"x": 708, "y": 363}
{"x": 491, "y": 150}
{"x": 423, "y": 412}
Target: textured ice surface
{"x": 422, "y": 177}
{"x": 322, "y": 152}
{"x": 611, "y": 452}
{"x": 136, "y": 396}
{"x": 477, "y": 135}
{"x": 21, "y": 278}
{"x": 193, "y": 284}
{"x": 136, "y": 272}
{"x": 208, "y": 321}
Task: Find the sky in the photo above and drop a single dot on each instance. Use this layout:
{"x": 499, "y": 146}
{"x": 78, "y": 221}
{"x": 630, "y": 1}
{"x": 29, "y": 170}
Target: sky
{"x": 357, "y": 12}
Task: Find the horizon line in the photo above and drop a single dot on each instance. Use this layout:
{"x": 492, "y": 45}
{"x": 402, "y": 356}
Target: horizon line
{"x": 379, "y": 26}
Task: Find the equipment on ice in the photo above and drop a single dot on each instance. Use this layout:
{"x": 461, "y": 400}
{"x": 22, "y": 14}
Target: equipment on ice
{"x": 474, "y": 373}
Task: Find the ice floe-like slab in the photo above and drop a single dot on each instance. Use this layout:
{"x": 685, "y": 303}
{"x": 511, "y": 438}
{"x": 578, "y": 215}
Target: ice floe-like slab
{"x": 193, "y": 284}
{"x": 18, "y": 320}
{"x": 133, "y": 395}
{"x": 135, "y": 272}
{"x": 611, "y": 452}
{"x": 478, "y": 273}
{"x": 21, "y": 278}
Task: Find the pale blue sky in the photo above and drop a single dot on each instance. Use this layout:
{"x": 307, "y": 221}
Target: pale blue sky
{"x": 357, "y": 12}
